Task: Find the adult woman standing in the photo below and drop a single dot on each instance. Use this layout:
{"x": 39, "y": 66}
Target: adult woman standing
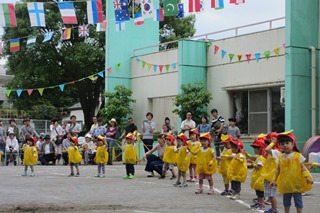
{"x": 204, "y": 126}
{"x": 111, "y": 133}
{"x": 148, "y": 127}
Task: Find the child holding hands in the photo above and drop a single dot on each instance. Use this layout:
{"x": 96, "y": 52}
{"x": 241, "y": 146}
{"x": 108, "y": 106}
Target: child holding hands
{"x": 183, "y": 161}
{"x": 169, "y": 157}
{"x": 130, "y": 156}
{"x": 102, "y": 156}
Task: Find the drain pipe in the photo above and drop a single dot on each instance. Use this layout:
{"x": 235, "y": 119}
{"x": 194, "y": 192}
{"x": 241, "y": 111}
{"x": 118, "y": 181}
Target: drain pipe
{"x": 313, "y": 90}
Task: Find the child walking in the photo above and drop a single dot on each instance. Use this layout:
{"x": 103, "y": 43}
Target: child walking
{"x": 237, "y": 170}
{"x": 169, "y": 157}
{"x": 102, "y": 156}
{"x": 130, "y": 156}
{"x": 257, "y": 181}
{"x": 183, "y": 160}
{"x": 74, "y": 156}
{"x": 30, "y": 156}
{"x": 226, "y": 157}
{"x": 292, "y": 177}
{"x": 206, "y": 163}
{"x": 194, "y": 147}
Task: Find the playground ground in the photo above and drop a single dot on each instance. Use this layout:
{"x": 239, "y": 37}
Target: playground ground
{"x": 52, "y": 191}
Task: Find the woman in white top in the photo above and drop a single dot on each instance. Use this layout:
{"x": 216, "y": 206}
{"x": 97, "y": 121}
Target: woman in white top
{"x": 55, "y": 129}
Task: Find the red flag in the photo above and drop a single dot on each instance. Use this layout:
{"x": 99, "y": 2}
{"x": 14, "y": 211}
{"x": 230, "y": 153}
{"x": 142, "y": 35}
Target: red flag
{"x": 109, "y": 70}
{"x": 30, "y": 91}
{"x": 194, "y": 6}
{"x": 248, "y": 57}
{"x": 216, "y": 49}
{"x": 160, "y": 68}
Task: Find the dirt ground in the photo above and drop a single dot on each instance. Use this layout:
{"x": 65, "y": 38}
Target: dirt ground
{"x": 52, "y": 191}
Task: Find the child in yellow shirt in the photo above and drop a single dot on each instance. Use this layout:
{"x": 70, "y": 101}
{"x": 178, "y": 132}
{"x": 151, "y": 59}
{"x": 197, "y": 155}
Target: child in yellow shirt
{"x": 193, "y": 147}
{"x": 183, "y": 160}
{"x": 74, "y": 156}
{"x": 130, "y": 156}
{"x": 101, "y": 156}
{"x": 169, "y": 157}
{"x": 30, "y": 156}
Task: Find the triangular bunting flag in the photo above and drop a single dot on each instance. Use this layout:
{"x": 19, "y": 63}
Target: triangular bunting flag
{"x": 155, "y": 67}
{"x": 248, "y": 57}
{"x": 174, "y": 65}
{"x": 231, "y": 55}
{"x": 19, "y": 91}
{"x": 216, "y": 49}
{"x": 41, "y": 91}
{"x": 118, "y": 66}
{"x": 29, "y": 91}
{"x": 223, "y": 53}
{"x": 143, "y": 63}
{"x": 72, "y": 82}
{"x": 267, "y": 54}
{"x": 160, "y": 68}
{"x": 257, "y": 56}
{"x": 61, "y": 86}
{"x": 284, "y": 45}
{"x": 276, "y": 51}
{"x": 101, "y": 74}
{"x": 8, "y": 91}
{"x": 137, "y": 59}
{"x": 109, "y": 70}
{"x": 239, "y": 56}
{"x": 149, "y": 66}
{"x": 91, "y": 77}
{"x": 167, "y": 67}
{"x": 209, "y": 44}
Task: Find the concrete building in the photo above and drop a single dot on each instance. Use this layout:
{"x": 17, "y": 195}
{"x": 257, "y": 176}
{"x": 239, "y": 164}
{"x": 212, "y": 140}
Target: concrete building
{"x": 3, "y": 78}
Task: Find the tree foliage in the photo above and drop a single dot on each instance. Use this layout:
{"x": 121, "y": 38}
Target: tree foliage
{"x": 55, "y": 62}
{"x": 118, "y": 105}
{"x": 194, "y": 98}
{"x": 44, "y": 112}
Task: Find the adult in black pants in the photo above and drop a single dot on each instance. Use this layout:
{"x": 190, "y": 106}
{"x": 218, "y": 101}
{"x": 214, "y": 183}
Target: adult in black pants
{"x": 148, "y": 127}
{"x": 155, "y": 163}
{"x": 48, "y": 151}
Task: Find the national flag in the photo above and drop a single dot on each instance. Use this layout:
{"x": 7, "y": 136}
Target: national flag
{"x": 194, "y": 6}
{"x": 180, "y": 11}
{"x": 237, "y": 1}
{"x": 66, "y": 34}
{"x": 217, "y": 4}
{"x": 121, "y": 10}
{"x": 138, "y": 19}
{"x": 117, "y": 5}
{"x": 120, "y": 26}
{"x": 102, "y": 26}
{"x": 47, "y": 36}
{"x": 94, "y": 11}
{"x": 83, "y": 31}
{"x": 14, "y": 45}
{"x": 7, "y": 15}
{"x": 158, "y": 15}
{"x": 170, "y": 7}
{"x": 147, "y": 9}
{"x": 31, "y": 41}
{"x": 36, "y": 14}
{"x": 68, "y": 13}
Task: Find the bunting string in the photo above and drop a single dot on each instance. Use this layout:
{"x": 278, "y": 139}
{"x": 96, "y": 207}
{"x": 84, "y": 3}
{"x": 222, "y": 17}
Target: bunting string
{"x": 155, "y": 67}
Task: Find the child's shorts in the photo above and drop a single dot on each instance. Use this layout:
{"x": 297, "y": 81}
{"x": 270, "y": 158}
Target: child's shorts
{"x": 269, "y": 191}
{"x": 167, "y": 166}
{"x": 74, "y": 164}
{"x": 225, "y": 179}
{"x": 297, "y": 200}
{"x": 205, "y": 176}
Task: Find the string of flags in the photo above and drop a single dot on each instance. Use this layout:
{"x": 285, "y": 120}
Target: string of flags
{"x": 156, "y": 66}
{"x": 248, "y": 56}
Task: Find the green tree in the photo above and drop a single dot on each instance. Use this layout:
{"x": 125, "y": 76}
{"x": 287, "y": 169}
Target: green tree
{"x": 194, "y": 98}
{"x": 55, "y": 62}
{"x": 44, "y": 111}
{"x": 172, "y": 29}
{"x": 118, "y": 105}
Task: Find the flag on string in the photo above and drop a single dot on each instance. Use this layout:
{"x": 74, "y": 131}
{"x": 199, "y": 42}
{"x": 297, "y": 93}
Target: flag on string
{"x": 101, "y": 26}
{"x": 61, "y": 86}
{"x": 147, "y": 8}
{"x": 121, "y": 10}
{"x": 216, "y": 49}
{"x": 120, "y": 26}
{"x": 155, "y": 67}
{"x": 36, "y": 14}
{"x": 257, "y": 56}
{"x": 223, "y": 53}
{"x": 267, "y": 54}
{"x": 30, "y": 91}
{"x": 101, "y": 74}
{"x": 66, "y": 34}
{"x": 94, "y": 11}
{"x": 170, "y": 7}
{"x": 248, "y": 57}
{"x": 7, "y": 15}
{"x": 109, "y": 70}
{"x": 19, "y": 91}
{"x": 8, "y": 91}
{"x": 239, "y": 56}
{"x": 231, "y": 55}
{"x": 31, "y": 41}
{"x": 217, "y": 4}
{"x": 194, "y": 6}
{"x": 14, "y": 45}
{"x": 160, "y": 68}
{"x": 40, "y": 90}
{"x": 158, "y": 15}
{"x": 180, "y": 11}
{"x": 237, "y": 1}
{"x": 68, "y": 13}
{"x": 83, "y": 31}
{"x": 276, "y": 51}
{"x": 47, "y": 36}
{"x": 1, "y": 46}
{"x": 138, "y": 19}
{"x": 202, "y": 4}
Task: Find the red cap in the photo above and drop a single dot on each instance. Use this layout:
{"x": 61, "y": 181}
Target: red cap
{"x": 259, "y": 142}
{"x": 101, "y": 138}
{"x": 74, "y": 140}
{"x": 239, "y": 143}
{"x": 292, "y": 137}
{"x": 130, "y": 136}
{"x": 272, "y": 135}
{"x": 171, "y": 138}
{"x": 226, "y": 138}
{"x": 184, "y": 138}
{"x": 195, "y": 131}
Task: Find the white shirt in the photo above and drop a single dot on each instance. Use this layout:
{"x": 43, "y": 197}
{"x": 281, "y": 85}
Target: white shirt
{"x": 54, "y": 133}
{"x": 47, "y": 149}
{"x": 275, "y": 154}
{"x": 190, "y": 123}
{"x": 13, "y": 143}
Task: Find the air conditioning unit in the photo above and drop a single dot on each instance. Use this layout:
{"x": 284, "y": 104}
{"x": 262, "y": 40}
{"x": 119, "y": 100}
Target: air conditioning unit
{"x": 282, "y": 96}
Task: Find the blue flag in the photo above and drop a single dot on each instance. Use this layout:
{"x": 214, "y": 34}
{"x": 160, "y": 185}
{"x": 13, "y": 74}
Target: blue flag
{"x": 121, "y": 10}
{"x": 47, "y": 36}
{"x": 180, "y": 11}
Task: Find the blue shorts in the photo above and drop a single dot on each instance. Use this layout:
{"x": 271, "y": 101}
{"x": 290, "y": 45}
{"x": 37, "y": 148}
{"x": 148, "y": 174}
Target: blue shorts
{"x": 297, "y": 200}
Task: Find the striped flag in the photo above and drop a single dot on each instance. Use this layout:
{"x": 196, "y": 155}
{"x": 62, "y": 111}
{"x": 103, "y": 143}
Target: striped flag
{"x": 67, "y": 12}
{"x": 94, "y": 11}
{"x": 7, "y": 15}
{"x": 14, "y": 45}
{"x": 158, "y": 15}
{"x": 31, "y": 41}
{"x": 138, "y": 19}
{"x": 101, "y": 26}
{"x": 194, "y": 6}
{"x": 66, "y": 34}
{"x": 120, "y": 26}
{"x": 217, "y": 4}
{"x": 36, "y": 14}
{"x": 237, "y": 1}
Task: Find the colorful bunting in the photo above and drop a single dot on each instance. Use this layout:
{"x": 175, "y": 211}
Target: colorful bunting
{"x": 276, "y": 51}
{"x": 36, "y": 14}
{"x": 101, "y": 26}
{"x": 31, "y": 41}
{"x": 160, "y": 68}
{"x": 101, "y": 73}
{"x": 170, "y": 7}
{"x": 61, "y": 86}
{"x": 66, "y": 34}
{"x": 47, "y": 37}
{"x": 155, "y": 68}
{"x": 14, "y": 45}
{"x": 223, "y": 53}
{"x": 109, "y": 70}
{"x": 8, "y": 91}
{"x": 143, "y": 64}
{"x": 121, "y": 10}
{"x": 174, "y": 65}
{"x": 180, "y": 11}
{"x": 19, "y": 91}
{"x": 231, "y": 55}
{"x": 149, "y": 66}
{"x": 158, "y": 15}
{"x": 194, "y": 6}
{"x": 257, "y": 56}
{"x": 216, "y": 49}
{"x": 40, "y": 90}
{"x": 239, "y": 56}
{"x": 83, "y": 31}
{"x": 217, "y": 4}
{"x": 267, "y": 54}
{"x": 120, "y": 26}
{"x": 167, "y": 67}
{"x": 138, "y": 19}
{"x": 248, "y": 56}
{"x": 7, "y": 15}
{"x": 30, "y": 91}
{"x": 91, "y": 77}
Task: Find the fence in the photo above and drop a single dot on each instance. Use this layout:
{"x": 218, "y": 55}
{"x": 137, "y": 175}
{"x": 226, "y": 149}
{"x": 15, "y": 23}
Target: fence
{"x": 39, "y": 125}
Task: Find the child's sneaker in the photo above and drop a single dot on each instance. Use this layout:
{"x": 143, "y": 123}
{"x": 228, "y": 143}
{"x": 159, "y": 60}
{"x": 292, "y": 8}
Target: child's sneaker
{"x": 71, "y": 175}
{"x": 178, "y": 183}
{"x": 199, "y": 191}
{"x": 24, "y": 174}
{"x": 151, "y": 174}
{"x": 271, "y": 210}
{"x": 77, "y": 175}
{"x": 104, "y": 175}
{"x": 162, "y": 177}
{"x": 225, "y": 192}
{"x": 126, "y": 177}
{"x": 230, "y": 192}
{"x": 255, "y": 205}
{"x": 97, "y": 176}
{"x": 131, "y": 176}
{"x": 184, "y": 184}
{"x": 260, "y": 207}
{"x": 173, "y": 177}
{"x": 210, "y": 192}
{"x": 32, "y": 174}
{"x": 193, "y": 180}
{"x": 235, "y": 197}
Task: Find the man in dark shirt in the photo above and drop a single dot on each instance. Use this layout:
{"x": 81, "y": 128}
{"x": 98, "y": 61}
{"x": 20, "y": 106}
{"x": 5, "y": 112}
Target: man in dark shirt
{"x": 130, "y": 128}
{"x": 217, "y": 125}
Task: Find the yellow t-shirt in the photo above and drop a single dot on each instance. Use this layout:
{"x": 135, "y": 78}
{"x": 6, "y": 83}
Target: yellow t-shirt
{"x": 170, "y": 156}
{"x": 74, "y": 154}
{"x": 30, "y": 156}
{"x": 194, "y": 148}
{"x": 225, "y": 161}
{"x": 183, "y": 161}
{"x": 257, "y": 181}
{"x": 237, "y": 171}
{"x": 130, "y": 155}
{"x": 102, "y": 155}
{"x": 203, "y": 159}
{"x": 290, "y": 179}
